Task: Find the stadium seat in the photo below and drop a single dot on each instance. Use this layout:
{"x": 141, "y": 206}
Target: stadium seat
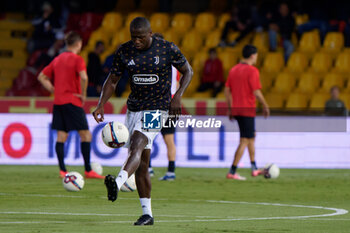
{"x": 318, "y": 101}
{"x": 223, "y": 18}
{"x": 297, "y": 63}
{"x": 182, "y": 22}
{"x": 261, "y": 41}
{"x": 308, "y": 83}
{"x": 191, "y": 43}
{"x": 205, "y": 22}
{"x": 333, "y": 43}
{"x": 309, "y": 43}
{"x": 132, "y": 16}
{"x": 99, "y": 35}
{"x": 120, "y": 37}
{"x": 266, "y": 80}
{"x": 112, "y": 21}
{"x": 275, "y": 100}
{"x": 172, "y": 36}
{"x": 330, "y": 80}
{"x": 160, "y": 22}
{"x": 212, "y": 39}
{"x": 301, "y": 19}
{"x": 321, "y": 63}
{"x": 273, "y": 62}
{"x": 284, "y": 83}
{"x": 90, "y": 21}
{"x": 297, "y": 101}
{"x": 229, "y": 59}
{"x": 342, "y": 63}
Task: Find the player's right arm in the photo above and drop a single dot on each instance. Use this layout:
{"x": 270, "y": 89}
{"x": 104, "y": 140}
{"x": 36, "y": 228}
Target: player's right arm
{"x": 266, "y": 110}
{"x": 109, "y": 85}
{"x": 107, "y": 91}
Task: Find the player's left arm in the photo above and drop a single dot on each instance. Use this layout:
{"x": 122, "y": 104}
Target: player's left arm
{"x": 187, "y": 73}
{"x": 45, "y": 81}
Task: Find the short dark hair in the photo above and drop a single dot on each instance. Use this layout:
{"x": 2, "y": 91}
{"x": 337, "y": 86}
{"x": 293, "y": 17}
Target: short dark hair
{"x": 249, "y": 50}
{"x": 335, "y": 88}
{"x": 212, "y": 50}
{"x": 72, "y": 37}
{"x": 140, "y": 23}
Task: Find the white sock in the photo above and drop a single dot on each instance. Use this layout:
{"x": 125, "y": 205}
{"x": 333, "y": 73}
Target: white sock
{"x": 146, "y": 206}
{"x": 121, "y": 179}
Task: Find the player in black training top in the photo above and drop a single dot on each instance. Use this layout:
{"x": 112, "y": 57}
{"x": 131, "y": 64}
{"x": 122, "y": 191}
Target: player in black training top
{"x": 148, "y": 61}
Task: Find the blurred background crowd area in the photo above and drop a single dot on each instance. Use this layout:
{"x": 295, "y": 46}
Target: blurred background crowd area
{"x": 304, "y": 54}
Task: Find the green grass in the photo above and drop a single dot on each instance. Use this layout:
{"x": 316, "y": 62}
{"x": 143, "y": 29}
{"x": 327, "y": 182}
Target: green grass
{"x": 32, "y": 199}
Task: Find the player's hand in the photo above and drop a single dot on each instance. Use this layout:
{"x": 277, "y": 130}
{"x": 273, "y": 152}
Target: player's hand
{"x": 266, "y": 111}
{"x": 175, "y": 107}
{"x": 230, "y": 117}
{"x": 81, "y": 97}
{"x": 98, "y": 114}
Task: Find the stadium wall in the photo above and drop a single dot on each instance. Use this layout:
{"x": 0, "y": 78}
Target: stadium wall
{"x": 27, "y": 139}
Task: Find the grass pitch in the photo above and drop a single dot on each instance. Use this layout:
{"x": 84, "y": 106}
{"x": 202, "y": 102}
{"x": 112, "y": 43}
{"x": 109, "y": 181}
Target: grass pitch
{"x": 32, "y": 199}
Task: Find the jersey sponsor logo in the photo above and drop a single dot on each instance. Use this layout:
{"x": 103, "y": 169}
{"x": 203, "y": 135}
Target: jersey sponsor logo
{"x": 156, "y": 60}
{"x": 131, "y": 63}
{"x": 145, "y": 79}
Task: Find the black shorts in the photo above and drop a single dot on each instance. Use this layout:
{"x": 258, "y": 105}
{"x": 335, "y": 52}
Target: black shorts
{"x": 69, "y": 117}
{"x": 246, "y": 126}
{"x": 168, "y": 130}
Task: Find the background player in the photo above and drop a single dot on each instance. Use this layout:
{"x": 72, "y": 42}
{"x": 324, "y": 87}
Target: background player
{"x": 150, "y": 57}
{"x": 68, "y": 73}
{"x": 242, "y": 88}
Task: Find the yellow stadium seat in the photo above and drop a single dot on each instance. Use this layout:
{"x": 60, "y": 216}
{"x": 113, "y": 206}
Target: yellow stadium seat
{"x": 308, "y": 83}
{"x": 228, "y": 59}
{"x": 318, "y": 101}
{"x": 261, "y": 41}
{"x": 160, "y": 22}
{"x": 192, "y": 42}
{"x": 284, "y": 83}
{"x": 205, "y": 22}
{"x": 345, "y": 97}
{"x": 330, "y": 80}
{"x": 212, "y": 39}
{"x": 333, "y": 43}
{"x": 309, "y": 43}
{"x": 342, "y": 63}
{"x": 297, "y": 101}
{"x": 132, "y": 16}
{"x": 182, "y": 22}
{"x": 120, "y": 37}
{"x": 223, "y": 20}
{"x": 12, "y": 63}
{"x": 112, "y": 21}
{"x": 321, "y": 63}
{"x": 301, "y": 19}
{"x": 275, "y": 100}
{"x": 198, "y": 62}
{"x": 99, "y": 35}
{"x": 297, "y": 63}
{"x": 273, "y": 62}
{"x": 266, "y": 80}
{"x": 172, "y": 36}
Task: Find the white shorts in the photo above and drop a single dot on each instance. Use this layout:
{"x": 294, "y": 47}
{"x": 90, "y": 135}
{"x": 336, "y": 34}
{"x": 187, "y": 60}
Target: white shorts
{"x": 134, "y": 121}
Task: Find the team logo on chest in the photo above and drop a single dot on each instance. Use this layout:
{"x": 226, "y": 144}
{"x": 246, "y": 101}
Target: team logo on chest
{"x": 156, "y": 60}
{"x": 131, "y": 63}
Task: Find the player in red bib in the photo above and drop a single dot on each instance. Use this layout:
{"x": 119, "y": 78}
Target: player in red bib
{"x": 241, "y": 91}
{"x": 66, "y": 77}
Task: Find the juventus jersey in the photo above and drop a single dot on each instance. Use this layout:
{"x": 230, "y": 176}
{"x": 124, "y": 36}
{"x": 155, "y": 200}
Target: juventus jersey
{"x": 150, "y": 72}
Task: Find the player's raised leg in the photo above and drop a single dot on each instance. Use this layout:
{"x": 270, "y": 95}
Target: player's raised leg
{"x": 143, "y": 182}
{"x": 243, "y": 143}
{"x": 138, "y": 141}
{"x": 61, "y": 138}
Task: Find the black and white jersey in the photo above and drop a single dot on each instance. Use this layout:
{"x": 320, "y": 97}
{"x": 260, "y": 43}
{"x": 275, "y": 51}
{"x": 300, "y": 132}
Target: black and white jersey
{"x": 150, "y": 73}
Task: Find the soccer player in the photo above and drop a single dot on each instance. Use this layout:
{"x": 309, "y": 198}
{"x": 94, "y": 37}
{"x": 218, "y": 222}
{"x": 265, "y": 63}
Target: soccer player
{"x": 148, "y": 61}
{"x": 241, "y": 91}
{"x": 66, "y": 77}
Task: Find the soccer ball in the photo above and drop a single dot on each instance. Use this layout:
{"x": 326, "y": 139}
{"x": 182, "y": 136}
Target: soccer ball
{"x": 97, "y": 168}
{"x": 271, "y": 171}
{"x": 73, "y": 182}
{"x": 129, "y": 185}
{"x": 115, "y": 134}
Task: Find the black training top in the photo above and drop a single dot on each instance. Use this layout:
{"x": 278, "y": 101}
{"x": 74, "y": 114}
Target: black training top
{"x": 150, "y": 73}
